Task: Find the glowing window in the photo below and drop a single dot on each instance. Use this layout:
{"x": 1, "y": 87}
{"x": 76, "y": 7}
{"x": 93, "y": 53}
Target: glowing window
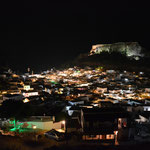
{"x": 109, "y": 136}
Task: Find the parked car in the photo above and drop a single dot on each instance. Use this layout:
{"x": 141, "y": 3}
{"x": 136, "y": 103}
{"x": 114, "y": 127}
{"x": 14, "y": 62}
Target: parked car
{"x": 53, "y": 134}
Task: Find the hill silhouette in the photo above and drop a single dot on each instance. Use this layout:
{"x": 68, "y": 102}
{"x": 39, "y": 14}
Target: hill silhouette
{"x": 114, "y": 60}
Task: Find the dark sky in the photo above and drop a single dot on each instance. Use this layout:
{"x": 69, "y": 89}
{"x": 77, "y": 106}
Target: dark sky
{"x": 42, "y": 34}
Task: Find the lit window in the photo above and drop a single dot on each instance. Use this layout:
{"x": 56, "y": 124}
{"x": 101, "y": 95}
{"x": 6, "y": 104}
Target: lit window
{"x": 110, "y": 136}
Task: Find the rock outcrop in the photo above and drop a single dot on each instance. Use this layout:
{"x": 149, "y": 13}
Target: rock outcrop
{"x": 130, "y": 49}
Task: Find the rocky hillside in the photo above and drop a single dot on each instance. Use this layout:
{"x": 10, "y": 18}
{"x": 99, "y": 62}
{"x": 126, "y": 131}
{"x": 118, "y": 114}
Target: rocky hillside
{"x": 116, "y": 58}
{"x": 130, "y": 49}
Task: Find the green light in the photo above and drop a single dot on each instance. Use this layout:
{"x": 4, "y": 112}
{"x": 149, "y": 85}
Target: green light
{"x": 16, "y": 127}
{"x": 53, "y": 82}
{"x": 21, "y": 130}
{"x": 19, "y": 127}
{"x": 13, "y": 129}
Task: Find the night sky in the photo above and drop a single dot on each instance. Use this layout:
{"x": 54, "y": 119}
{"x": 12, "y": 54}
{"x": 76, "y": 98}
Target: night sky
{"x": 43, "y": 34}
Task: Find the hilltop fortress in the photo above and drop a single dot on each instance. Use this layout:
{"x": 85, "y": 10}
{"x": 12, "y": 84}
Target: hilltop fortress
{"x": 130, "y": 49}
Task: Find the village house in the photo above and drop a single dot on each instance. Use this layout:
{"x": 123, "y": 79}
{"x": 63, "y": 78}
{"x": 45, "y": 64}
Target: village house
{"x": 103, "y": 124}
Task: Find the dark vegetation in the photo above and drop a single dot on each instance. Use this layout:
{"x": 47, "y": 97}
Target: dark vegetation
{"x": 15, "y": 109}
{"x": 115, "y": 60}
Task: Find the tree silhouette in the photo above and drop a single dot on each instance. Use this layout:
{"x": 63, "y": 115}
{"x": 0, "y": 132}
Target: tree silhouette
{"x": 16, "y": 110}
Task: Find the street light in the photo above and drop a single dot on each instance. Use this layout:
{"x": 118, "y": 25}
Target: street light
{"x": 34, "y": 127}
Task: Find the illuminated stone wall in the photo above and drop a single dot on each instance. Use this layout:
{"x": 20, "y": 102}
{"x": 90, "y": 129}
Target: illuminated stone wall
{"x": 130, "y": 49}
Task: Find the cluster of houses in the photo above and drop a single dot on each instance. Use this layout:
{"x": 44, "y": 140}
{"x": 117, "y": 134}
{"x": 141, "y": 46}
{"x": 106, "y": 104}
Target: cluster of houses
{"x": 99, "y": 105}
